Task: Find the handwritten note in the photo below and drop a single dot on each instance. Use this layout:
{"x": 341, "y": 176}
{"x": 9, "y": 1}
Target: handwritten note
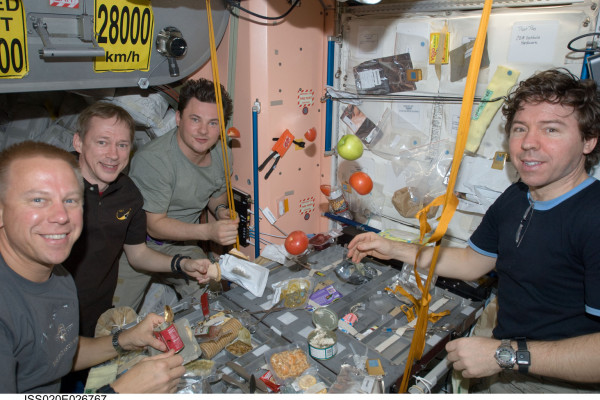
{"x": 533, "y": 42}
{"x": 368, "y": 42}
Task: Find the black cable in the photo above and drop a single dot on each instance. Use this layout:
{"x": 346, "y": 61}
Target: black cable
{"x": 236, "y": 4}
{"x": 414, "y": 98}
{"x": 579, "y": 37}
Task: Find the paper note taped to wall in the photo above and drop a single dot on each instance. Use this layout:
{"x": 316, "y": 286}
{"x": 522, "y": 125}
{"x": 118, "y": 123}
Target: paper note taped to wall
{"x": 533, "y": 42}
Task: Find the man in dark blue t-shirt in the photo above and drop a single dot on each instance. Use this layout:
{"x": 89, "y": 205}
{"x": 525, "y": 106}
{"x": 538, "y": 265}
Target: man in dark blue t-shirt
{"x": 538, "y": 235}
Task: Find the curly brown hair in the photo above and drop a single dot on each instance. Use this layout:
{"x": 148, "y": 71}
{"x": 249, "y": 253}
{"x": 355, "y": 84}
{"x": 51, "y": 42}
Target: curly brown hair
{"x": 560, "y": 86}
{"x": 204, "y": 90}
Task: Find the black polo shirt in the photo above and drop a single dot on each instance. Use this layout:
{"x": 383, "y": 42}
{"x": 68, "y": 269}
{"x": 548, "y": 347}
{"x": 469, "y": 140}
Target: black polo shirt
{"x": 111, "y": 219}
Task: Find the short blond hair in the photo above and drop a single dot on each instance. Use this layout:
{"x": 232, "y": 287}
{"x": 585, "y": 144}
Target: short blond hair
{"x": 30, "y": 149}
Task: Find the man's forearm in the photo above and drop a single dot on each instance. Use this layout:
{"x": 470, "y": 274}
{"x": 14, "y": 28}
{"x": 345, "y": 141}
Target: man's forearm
{"x": 575, "y": 359}
{"x": 452, "y": 262}
{"x": 165, "y": 228}
{"x": 143, "y": 258}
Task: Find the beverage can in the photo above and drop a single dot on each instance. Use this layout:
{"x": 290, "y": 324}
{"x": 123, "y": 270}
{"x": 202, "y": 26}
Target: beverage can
{"x": 167, "y": 333}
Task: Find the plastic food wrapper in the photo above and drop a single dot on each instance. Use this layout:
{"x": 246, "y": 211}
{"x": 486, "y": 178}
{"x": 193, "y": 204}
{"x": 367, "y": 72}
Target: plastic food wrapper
{"x": 242, "y": 345}
{"x": 275, "y": 252}
{"x": 200, "y": 367}
{"x": 229, "y": 332}
{"x": 320, "y": 241}
{"x": 349, "y": 380}
{"x": 355, "y": 273}
{"x": 250, "y": 276}
{"x": 408, "y": 281}
{"x": 286, "y": 363}
{"x": 307, "y": 383}
{"x": 384, "y": 75}
{"x": 323, "y": 297}
{"x": 113, "y": 318}
{"x": 293, "y": 293}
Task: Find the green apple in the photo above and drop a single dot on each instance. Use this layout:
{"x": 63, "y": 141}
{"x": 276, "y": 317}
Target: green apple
{"x": 350, "y": 147}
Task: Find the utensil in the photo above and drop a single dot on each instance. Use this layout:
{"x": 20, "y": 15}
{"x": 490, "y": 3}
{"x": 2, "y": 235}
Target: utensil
{"x": 241, "y": 371}
{"x": 232, "y": 381}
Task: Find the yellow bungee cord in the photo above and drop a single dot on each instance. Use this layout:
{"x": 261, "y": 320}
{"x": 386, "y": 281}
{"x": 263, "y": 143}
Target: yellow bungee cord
{"x": 448, "y": 200}
{"x": 216, "y": 82}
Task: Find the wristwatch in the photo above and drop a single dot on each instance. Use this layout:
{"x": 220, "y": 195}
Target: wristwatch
{"x": 115, "y": 342}
{"x": 106, "y": 389}
{"x": 505, "y": 355}
{"x": 523, "y": 356}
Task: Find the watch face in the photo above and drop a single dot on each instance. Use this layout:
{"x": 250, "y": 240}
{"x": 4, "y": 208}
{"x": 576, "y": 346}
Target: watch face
{"x": 506, "y": 357}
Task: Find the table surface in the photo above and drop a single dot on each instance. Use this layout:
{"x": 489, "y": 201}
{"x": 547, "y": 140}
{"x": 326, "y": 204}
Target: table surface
{"x": 372, "y": 305}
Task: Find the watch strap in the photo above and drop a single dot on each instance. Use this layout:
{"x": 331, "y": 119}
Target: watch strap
{"x": 106, "y": 389}
{"x": 523, "y": 355}
{"x": 115, "y": 342}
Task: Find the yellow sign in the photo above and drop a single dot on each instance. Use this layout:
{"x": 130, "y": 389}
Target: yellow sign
{"x": 13, "y": 40}
{"x": 125, "y": 30}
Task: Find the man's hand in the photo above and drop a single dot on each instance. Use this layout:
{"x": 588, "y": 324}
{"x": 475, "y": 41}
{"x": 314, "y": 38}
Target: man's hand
{"x": 474, "y": 356}
{"x": 223, "y": 213}
{"x": 198, "y": 269}
{"x": 142, "y": 335}
{"x": 370, "y": 244}
{"x": 224, "y": 231}
{"x": 158, "y": 374}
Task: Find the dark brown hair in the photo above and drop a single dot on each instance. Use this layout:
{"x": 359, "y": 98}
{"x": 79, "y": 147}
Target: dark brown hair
{"x": 559, "y": 86}
{"x": 204, "y": 90}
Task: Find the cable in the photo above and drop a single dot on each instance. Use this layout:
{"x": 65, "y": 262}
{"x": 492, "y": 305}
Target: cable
{"x": 217, "y": 84}
{"x": 236, "y": 4}
{"x": 268, "y": 234}
{"x": 570, "y": 47}
{"x": 411, "y": 98}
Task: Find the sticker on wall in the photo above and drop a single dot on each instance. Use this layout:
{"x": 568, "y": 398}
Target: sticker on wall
{"x": 13, "y": 41}
{"x": 65, "y": 3}
{"x": 306, "y": 98}
{"x": 124, "y": 29}
{"x": 306, "y": 205}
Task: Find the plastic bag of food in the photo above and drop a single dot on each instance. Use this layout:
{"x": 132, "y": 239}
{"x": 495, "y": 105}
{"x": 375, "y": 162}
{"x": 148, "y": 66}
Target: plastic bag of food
{"x": 248, "y": 275}
{"x": 286, "y": 363}
{"x": 293, "y": 293}
{"x": 309, "y": 382}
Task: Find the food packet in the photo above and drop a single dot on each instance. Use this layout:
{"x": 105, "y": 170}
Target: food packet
{"x": 293, "y": 293}
{"x": 286, "y": 363}
{"x": 309, "y": 382}
{"x": 248, "y": 275}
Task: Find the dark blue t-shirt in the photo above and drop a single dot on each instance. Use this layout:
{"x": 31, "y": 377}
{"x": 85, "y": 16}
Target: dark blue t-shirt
{"x": 548, "y": 284}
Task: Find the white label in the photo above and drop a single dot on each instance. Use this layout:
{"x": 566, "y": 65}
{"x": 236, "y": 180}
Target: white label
{"x": 322, "y": 354}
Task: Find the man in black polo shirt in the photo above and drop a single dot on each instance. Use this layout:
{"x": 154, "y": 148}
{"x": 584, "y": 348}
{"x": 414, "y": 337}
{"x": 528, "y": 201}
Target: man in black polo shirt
{"x": 113, "y": 216}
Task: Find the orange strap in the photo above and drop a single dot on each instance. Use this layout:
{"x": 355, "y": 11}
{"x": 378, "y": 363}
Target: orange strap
{"x": 216, "y": 82}
{"x": 448, "y": 201}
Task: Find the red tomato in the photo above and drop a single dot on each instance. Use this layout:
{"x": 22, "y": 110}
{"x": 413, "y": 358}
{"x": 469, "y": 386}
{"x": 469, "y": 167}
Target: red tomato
{"x": 311, "y": 134}
{"x": 233, "y": 132}
{"x": 326, "y": 190}
{"x": 361, "y": 182}
{"x": 296, "y": 243}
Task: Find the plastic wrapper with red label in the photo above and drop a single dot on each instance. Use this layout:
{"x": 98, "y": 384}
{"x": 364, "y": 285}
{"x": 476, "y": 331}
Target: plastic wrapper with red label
{"x": 320, "y": 241}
